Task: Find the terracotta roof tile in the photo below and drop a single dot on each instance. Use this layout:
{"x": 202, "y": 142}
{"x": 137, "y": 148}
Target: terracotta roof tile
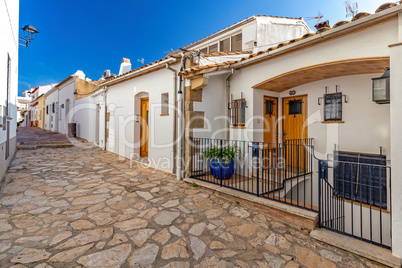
{"x": 340, "y": 23}
{"x": 385, "y": 6}
{"x": 323, "y": 29}
{"x": 360, "y": 15}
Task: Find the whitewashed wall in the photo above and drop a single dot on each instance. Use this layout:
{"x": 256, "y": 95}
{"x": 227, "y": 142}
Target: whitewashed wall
{"x": 86, "y": 119}
{"x": 51, "y": 121}
{"x": 123, "y": 102}
{"x": 66, "y": 92}
{"x": 9, "y": 32}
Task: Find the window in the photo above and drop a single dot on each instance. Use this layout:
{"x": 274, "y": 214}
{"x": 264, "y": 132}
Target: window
{"x": 53, "y": 108}
{"x": 361, "y": 177}
{"x": 213, "y": 48}
{"x": 269, "y": 107}
{"x": 204, "y": 50}
{"x": 224, "y": 45}
{"x": 237, "y": 42}
{"x": 165, "y": 104}
{"x": 238, "y": 112}
{"x": 295, "y": 107}
{"x": 333, "y": 107}
{"x": 47, "y": 109}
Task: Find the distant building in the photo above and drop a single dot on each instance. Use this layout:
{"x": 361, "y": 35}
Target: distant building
{"x": 22, "y": 106}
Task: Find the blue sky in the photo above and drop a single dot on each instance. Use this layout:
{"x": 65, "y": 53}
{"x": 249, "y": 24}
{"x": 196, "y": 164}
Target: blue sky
{"x": 93, "y": 36}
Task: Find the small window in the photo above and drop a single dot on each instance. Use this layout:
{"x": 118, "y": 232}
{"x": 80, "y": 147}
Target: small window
{"x": 295, "y": 107}
{"x": 165, "y": 104}
{"x": 239, "y": 113}
{"x": 53, "y": 108}
{"x": 225, "y": 45}
{"x": 237, "y": 42}
{"x": 47, "y": 109}
{"x": 204, "y": 50}
{"x": 213, "y": 48}
{"x": 269, "y": 107}
{"x": 333, "y": 107}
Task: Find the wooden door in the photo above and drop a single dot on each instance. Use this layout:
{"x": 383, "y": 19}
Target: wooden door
{"x": 270, "y": 131}
{"x": 294, "y": 111}
{"x": 144, "y": 132}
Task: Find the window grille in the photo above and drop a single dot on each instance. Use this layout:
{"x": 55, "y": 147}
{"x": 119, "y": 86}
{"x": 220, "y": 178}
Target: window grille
{"x": 333, "y": 107}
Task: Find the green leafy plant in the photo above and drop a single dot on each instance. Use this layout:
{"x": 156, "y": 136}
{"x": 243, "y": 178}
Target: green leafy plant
{"x": 194, "y": 184}
{"x": 226, "y": 154}
{"x": 238, "y": 202}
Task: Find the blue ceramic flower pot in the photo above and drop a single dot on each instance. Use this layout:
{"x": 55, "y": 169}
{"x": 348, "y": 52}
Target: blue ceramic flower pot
{"x": 221, "y": 171}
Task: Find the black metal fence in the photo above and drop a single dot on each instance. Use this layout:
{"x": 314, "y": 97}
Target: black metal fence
{"x": 354, "y": 196}
{"x": 277, "y": 171}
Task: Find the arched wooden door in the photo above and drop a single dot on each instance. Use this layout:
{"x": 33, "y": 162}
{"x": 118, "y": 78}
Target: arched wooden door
{"x": 144, "y": 132}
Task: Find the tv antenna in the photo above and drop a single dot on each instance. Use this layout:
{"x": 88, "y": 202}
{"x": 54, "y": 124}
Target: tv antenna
{"x": 319, "y": 17}
{"x": 351, "y": 8}
{"x": 141, "y": 60}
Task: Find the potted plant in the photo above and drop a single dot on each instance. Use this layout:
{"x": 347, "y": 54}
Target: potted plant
{"x": 222, "y": 161}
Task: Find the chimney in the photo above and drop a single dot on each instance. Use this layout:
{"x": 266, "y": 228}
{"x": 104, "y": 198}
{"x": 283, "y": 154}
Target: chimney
{"x": 106, "y": 73}
{"x": 102, "y": 78}
{"x": 322, "y": 25}
{"x": 125, "y": 66}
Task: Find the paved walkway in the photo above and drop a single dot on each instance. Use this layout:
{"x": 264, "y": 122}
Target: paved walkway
{"x": 75, "y": 207}
{"x": 35, "y": 134}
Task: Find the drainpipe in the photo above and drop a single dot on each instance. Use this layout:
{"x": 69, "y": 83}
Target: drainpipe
{"x": 175, "y": 115}
{"x": 180, "y": 116}
{"x": 227, "y": 132}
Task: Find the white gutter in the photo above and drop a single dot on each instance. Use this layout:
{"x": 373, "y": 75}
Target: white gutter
{"x": 326, "y": 34}
{"x": 150, "y": 67}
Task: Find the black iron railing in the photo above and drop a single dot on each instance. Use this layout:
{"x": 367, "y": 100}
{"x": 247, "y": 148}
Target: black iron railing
{"x": 277, "y": 171}
{"x": 354, "y": 198}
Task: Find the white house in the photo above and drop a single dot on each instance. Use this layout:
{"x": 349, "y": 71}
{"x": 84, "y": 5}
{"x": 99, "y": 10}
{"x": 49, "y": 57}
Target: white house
{"x": 256, "y": 33}
{"x": 140, "y": 115}
{"x": 34, "y": 113}
{"x": 318, "y": 94}
{"x": 22, "y": 106}
{"x": 9, "y": 30}
{"x": 142, "y": 105}
{"x": 61, "y": 105}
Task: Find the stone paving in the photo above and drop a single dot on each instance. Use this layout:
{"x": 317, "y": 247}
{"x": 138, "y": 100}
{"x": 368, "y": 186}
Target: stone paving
{"x": 35, "y": 134}
{"x": 76, "y": 207}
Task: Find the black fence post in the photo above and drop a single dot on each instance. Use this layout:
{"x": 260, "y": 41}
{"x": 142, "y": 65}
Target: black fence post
{"x": 258, "y": 171}
{"x": 221, "y": 162}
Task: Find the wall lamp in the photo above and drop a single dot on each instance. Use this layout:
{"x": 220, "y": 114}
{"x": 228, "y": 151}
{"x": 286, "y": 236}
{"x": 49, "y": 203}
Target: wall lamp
{"x": 30, "y": 33}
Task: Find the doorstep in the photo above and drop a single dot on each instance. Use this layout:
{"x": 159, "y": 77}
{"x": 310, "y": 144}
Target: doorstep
{"x": 358, "y": 247}
{"x": 288, "y": 213}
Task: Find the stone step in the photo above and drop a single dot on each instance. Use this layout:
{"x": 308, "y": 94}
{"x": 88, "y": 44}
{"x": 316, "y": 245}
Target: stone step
{"x": 49, "y": 145}
{"x": 42, "y": 142}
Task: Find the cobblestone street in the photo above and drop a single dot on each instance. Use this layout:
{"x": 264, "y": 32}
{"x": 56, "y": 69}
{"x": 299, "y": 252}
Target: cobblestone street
{"x": 74, "y": 207}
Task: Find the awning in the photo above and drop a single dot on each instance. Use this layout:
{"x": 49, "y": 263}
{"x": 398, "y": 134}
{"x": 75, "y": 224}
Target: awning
{"x": 323, "y": 71}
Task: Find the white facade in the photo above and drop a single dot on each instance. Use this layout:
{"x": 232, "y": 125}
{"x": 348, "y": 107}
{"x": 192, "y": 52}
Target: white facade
{"x": 9, "y": 32}
{"x": 123, "y": 103}
{"x": 257, "y": 34}
{"x": 89, "y": 116}
{"x": 367, "y": 128}
{"x": 52, "y": 114}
